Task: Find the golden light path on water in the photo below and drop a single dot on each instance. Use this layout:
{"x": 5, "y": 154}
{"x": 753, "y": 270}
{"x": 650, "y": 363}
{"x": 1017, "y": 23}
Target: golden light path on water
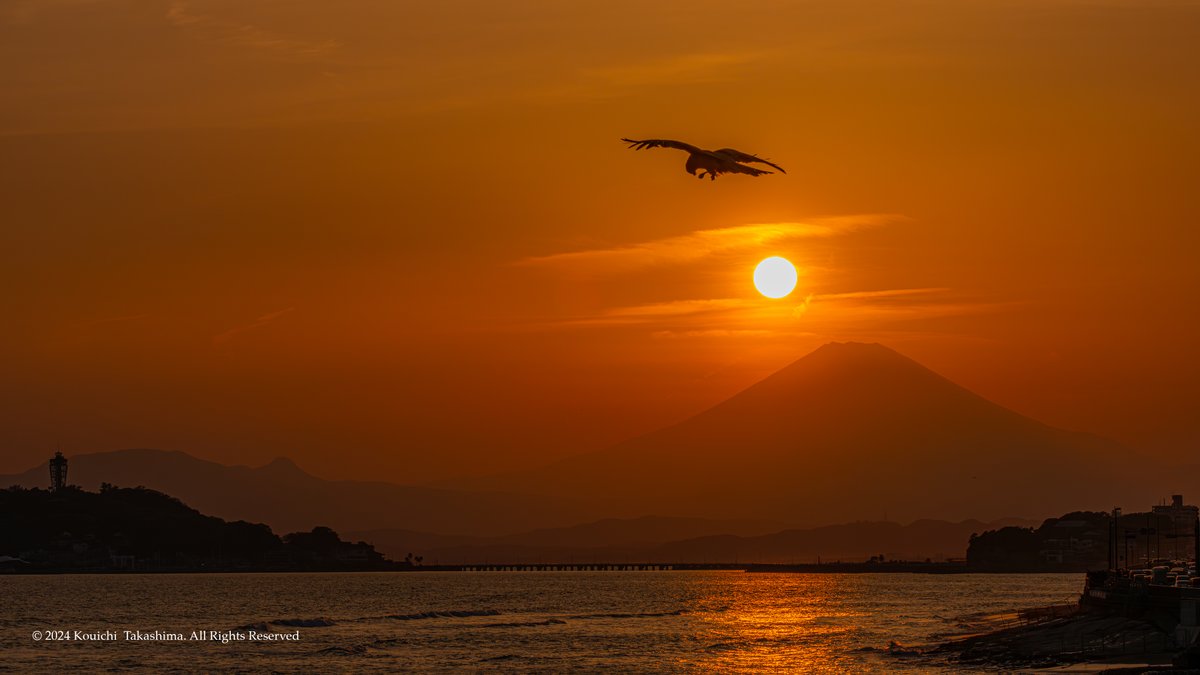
{"x": 837, "y": 623}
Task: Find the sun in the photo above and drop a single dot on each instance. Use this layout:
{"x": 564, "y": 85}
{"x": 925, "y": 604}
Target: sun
{"x": 775, "y": 277}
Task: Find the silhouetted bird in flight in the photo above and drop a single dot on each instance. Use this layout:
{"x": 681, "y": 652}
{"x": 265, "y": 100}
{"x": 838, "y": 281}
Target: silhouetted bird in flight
{"x": 709, "y": 162}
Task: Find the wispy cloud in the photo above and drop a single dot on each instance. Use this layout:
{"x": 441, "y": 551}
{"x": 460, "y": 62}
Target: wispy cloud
{"x": 653, "y": 312}
{"x": 675, "y": 69}
{"x": 629, "y": 77}
{"x": 243, "y": 34}
{"x": 265, "y": 319}
{"x": 700, "y": 244}
{"x": 871, "y": 312}
{"x": 712, "y": 333}
{"x": 876, "y": 295}
{"x": 896, "y": 302}
{"x": 807, "y": 312}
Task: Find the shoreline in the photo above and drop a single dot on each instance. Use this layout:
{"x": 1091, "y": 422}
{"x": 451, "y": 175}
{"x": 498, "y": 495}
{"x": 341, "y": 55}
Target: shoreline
{"x": 1052, "y": 639}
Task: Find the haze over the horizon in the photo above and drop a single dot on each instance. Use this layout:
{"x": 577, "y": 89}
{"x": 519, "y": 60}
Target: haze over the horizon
{"x": 402, "y": 241}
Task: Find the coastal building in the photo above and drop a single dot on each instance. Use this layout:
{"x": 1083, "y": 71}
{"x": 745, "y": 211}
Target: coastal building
{"x": 1166, "y": 532}
{"x": 1182, "y": 518}
{"x": 1073, "y": 541}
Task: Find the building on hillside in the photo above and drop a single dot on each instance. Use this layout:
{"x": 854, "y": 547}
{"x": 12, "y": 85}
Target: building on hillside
{"x": 1178, "y": 537}
{"x": 1168, "y": 532}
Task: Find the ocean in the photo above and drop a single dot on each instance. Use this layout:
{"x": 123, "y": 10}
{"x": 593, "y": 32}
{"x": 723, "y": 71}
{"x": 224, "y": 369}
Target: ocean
{"x": 665, "y": 621}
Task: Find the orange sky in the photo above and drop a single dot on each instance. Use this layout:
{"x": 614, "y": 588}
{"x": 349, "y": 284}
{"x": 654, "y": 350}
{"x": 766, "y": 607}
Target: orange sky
{"x": 402, "y": 240}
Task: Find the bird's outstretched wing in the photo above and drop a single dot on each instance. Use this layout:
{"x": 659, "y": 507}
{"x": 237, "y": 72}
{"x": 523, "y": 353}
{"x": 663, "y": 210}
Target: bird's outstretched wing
{"x": 734, "y": 167}
{"x": 739, "y": 156}
{"x": 660, "y": 143}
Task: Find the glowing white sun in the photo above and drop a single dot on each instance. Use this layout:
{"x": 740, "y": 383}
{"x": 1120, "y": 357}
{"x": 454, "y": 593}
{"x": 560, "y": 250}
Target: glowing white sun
{"x": 775, "y": 277}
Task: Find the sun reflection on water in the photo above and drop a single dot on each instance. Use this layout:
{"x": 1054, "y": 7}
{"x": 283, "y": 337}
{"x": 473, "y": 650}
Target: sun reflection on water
{"x": 776, "y": 622}
{"x": 837, "y": 623}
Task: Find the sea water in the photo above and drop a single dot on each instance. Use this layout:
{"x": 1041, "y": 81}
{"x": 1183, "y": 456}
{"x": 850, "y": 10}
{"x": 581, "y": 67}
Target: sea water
{"x": 663, "y": 621}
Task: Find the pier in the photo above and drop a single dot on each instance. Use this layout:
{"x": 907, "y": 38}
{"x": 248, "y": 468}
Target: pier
{"x": 575, "y": 567}
{"x": 898, "y": 566}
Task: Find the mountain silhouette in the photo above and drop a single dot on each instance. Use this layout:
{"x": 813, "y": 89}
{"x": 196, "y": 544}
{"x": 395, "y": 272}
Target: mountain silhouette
{"x": 849, "y": 432}
{"x": 694, "y": 540}
{"x": 854, "y": 542}
{"x": 610, "y": 534}
{"x": 288, "y": 499}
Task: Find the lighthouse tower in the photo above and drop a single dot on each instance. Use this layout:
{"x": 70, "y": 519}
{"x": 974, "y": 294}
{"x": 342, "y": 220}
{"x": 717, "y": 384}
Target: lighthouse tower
{"x": 58, "y": 472}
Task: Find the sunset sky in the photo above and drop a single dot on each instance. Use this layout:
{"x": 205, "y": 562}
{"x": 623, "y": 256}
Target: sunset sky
{"x": 403, "y": 241}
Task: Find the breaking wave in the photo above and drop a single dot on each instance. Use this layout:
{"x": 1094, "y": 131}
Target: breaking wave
{"x": 629, "y": 615}
{"x": 354, "y": 650}
{"x": 452, "y": 614}
{"x": 517, "y": 624}
{"x": 304, "y": 623}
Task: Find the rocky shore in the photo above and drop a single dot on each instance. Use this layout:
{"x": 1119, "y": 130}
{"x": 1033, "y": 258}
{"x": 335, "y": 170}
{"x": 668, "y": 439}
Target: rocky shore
{"x": 1059, "y": 639}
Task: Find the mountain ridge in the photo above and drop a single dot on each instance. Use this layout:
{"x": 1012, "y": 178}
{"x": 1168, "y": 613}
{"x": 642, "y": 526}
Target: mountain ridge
{"x": 926, "y": 538}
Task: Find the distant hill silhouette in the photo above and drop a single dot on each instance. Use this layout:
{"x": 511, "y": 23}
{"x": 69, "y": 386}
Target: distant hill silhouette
{"x": 849, "y": 432}
{"x": 1081, "y": 541}
{"x": 145, "y": 530}
{"x": 610, "y": 533}
{"x": 690, "y": 540}
{"x": 936, "y": 539}
{"x": 283, "y": 496}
